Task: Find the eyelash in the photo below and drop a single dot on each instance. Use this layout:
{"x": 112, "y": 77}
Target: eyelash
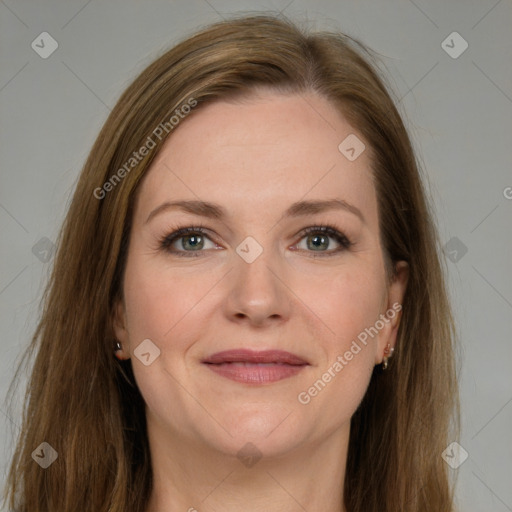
{"x": 166, "y": 241}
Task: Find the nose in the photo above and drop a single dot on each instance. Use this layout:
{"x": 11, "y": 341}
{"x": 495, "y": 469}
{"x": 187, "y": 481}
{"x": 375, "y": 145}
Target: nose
{"x": 257, "y": 292}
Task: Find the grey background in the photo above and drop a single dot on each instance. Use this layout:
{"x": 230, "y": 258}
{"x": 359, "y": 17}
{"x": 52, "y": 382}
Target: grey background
{"x": 458, "y": 110}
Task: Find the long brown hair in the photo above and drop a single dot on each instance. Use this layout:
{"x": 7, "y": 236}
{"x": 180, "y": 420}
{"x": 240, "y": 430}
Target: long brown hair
{"x": 83, "y": 402}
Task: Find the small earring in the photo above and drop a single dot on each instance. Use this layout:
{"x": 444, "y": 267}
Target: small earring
{"x": 389, "y": 352}
{"x": 118, "y": 348}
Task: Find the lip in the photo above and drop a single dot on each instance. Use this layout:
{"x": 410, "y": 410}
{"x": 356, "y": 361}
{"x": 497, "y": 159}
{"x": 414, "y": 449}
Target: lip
{"x": 255, "y": 367}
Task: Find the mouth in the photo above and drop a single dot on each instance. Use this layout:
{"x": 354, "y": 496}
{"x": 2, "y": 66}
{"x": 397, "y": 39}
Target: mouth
{"x": 252, "y": 367}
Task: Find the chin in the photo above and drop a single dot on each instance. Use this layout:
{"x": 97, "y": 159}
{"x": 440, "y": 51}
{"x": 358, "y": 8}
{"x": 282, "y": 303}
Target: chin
{"x": 272, "y": 431}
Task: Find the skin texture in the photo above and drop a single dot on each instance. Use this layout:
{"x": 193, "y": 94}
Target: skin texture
{"x": 254, "y": 157}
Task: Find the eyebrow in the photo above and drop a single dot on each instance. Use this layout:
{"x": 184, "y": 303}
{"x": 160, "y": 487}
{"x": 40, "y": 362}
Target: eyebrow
{"x": 215, "y": 211}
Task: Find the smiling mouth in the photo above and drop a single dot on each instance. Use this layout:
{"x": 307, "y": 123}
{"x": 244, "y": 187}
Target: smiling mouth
{"x": 251, "y": 367}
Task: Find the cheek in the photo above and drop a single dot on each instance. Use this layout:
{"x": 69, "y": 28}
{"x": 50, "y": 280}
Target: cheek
{"x": 347, "y": 299}
{"x": 149, "y": 305}
{"x": 349, "y": 304}
{"x": 161, "y": 305}
{"x": 356, "y": 300}
{"x": 167, "y": 308}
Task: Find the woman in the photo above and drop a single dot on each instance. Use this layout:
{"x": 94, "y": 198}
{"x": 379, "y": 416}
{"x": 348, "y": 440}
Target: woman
{"x": 250, "y": 238}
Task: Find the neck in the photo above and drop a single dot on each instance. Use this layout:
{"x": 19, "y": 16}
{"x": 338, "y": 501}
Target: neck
{"x": 191, "y": 477}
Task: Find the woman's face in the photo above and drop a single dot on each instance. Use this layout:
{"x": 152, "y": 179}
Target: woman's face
{"x": 254, "y": 175}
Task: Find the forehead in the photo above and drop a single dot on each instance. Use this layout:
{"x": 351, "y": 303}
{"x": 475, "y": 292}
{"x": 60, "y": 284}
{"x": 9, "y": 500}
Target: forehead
{"x": 265, "y": 151}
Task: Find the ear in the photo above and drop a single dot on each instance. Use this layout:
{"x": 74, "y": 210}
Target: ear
{"x": 119, "y": 327}
{"x": 393, "y": 309}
